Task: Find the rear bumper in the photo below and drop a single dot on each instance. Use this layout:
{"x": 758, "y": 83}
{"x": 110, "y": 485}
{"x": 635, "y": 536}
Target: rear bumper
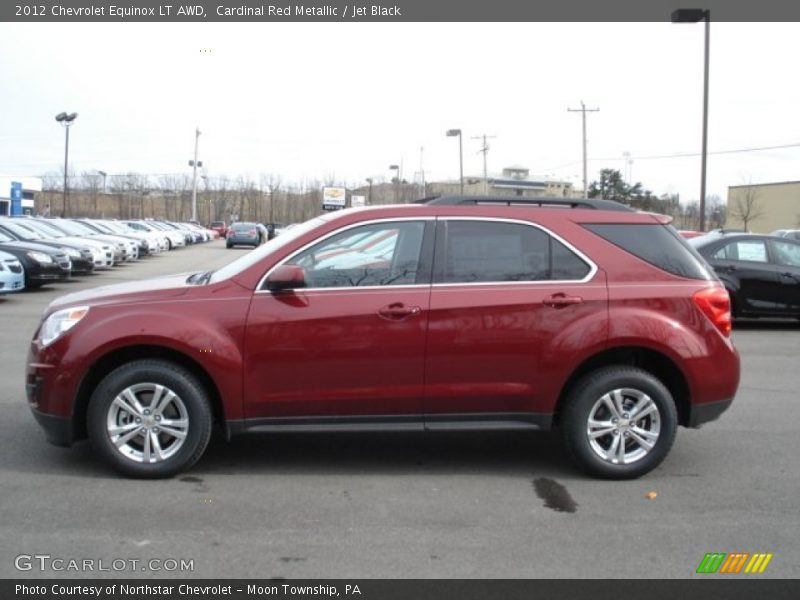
{"x": 703, "y": 413}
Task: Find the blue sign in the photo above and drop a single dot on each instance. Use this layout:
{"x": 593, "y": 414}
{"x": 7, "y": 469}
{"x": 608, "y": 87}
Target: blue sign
{"x": 16, "y": 198}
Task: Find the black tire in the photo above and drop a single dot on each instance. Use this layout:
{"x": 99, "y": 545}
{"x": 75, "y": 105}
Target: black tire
{"x": 229, "y": 246}
{"x": 587, "y": 394}
{"x": 194, "y": 403}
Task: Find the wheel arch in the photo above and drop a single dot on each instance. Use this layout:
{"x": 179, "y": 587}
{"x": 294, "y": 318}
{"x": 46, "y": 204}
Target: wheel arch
{"x": 658, "y": 364}
{"x": 120, "y": 356}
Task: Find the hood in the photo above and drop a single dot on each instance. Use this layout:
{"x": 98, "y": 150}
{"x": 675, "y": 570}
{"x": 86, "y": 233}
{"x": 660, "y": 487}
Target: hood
{"x": 168, "y": 286}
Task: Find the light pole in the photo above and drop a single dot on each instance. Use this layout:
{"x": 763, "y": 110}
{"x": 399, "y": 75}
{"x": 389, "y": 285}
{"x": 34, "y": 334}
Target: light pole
{"x": 194, "y": 164}
{"x": 454, "y": 133}
{"x": 66, "y": 120}
{"x": 396, "y": 168}
{"x": 369, "y": 191}
{"x": 695, "y": 15}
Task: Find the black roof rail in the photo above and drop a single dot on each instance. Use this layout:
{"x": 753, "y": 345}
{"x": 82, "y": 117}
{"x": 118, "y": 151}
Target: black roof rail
{"x": 596, "y": 204}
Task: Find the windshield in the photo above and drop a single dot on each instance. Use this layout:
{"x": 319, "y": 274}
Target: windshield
{"x": 5, "y": 238}
{"x": 117, "y": 228}
{"x": 254, "y": 256}
{"x": 41, "y": 227}
{"x": 73, "y": 228}
{"x": 98, "y": 226}
{"x": 22, "y": 232}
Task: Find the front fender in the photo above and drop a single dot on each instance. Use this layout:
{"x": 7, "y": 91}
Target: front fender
{"x": 212, "y": 341}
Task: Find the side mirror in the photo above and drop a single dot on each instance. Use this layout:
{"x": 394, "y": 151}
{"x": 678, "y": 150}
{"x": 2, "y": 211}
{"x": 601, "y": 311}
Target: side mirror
{"x": 286, "y": 277}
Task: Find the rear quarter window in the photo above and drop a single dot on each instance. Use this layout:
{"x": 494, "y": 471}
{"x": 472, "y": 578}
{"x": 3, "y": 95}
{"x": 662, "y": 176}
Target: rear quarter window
{"x": 659, "y": 245}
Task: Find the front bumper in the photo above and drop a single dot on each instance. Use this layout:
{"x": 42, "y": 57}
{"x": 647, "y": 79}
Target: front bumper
{"x": 57, "y": 430}
{"x": 11, "y": 282}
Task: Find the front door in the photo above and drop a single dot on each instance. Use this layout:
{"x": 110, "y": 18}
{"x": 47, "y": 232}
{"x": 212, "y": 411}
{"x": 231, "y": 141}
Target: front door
{"x": 351, "y": 344}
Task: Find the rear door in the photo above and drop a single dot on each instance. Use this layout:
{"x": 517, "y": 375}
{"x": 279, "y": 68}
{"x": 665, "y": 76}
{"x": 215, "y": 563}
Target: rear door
{"x": 505, "y": 295}
{"x": 746, "y": 263}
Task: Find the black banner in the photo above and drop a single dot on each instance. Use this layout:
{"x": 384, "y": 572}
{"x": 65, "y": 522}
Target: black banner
{"x": 402, "y": 589}
{"x": 391, "y": 11}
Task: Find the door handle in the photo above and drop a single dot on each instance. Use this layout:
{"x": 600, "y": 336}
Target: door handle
{"x": 398, "y": 311}
{"x": 561, "y": 300}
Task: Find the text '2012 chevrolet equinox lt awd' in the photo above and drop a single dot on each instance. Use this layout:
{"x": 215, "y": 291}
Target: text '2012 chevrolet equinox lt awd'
{"x": 466, "y": 312}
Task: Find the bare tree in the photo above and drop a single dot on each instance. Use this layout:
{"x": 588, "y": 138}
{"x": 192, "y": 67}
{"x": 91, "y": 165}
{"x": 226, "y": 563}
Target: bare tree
{"x": 716, "y": 212}
{"x": 92, "y": 183}
{"x": 273, "y": 184}
{"x": 746, "y": 206}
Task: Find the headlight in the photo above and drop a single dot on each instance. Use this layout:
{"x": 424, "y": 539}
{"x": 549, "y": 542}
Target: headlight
{"x": 40, "y": 257}
{"x": 60, "y": 322}
{"x": 71, "y": 252}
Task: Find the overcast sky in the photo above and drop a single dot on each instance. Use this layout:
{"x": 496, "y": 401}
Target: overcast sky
{"x": 345, "y": 100}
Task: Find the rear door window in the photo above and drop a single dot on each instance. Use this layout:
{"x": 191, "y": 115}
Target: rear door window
{"x": 474, "y": 251}
{"x": 743, "y": 250}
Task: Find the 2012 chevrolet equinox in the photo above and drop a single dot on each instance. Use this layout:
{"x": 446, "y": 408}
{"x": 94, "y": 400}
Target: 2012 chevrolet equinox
{"x": 452, "y": 313}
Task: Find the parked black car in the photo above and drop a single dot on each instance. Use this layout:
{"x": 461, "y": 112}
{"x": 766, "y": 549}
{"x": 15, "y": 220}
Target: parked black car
{"x": 792, "y": 234}
{"x": 81, "y": 257}
{"x": 42, "y": 263}
{"x": 761, "y": 272}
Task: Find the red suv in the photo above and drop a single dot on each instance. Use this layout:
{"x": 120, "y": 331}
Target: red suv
{"x": 456, "y": 313}
{"x": 219, "y": 227}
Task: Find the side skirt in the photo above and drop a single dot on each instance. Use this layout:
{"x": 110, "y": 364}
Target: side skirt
{"x": 370, "y": 423}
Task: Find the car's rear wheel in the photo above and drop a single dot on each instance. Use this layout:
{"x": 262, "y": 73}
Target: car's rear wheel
{"x": 150, "y": 418}
{"x": 619, "y": 422}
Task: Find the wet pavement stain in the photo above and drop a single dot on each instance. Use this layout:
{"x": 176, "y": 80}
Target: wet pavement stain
{"x": 554, "y": 495}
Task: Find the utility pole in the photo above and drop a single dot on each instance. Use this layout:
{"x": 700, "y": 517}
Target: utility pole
{"x": 485, "y": 150}
{"x": 583, "y": 110}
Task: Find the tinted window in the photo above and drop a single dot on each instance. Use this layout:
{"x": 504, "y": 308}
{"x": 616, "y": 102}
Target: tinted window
{"x": 476, "y": 251}
{"x": 660, "y": 245}
{"x": 370, "y": 255}
{"x": 745, "y": 250}
{"x": 786, "y": 254}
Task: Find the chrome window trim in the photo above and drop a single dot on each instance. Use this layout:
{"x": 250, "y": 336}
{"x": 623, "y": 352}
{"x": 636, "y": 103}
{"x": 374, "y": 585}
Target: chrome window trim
{"x": 589, "y": 276}
{"x": 261, "y": 282}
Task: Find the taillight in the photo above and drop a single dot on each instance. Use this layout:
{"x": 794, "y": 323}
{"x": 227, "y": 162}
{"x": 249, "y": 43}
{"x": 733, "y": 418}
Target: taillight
{"x": 252, "y": 232}
{"x": 715, "y": 303}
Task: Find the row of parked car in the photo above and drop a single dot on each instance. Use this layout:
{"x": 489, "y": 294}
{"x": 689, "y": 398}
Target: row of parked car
{"x": 36, "y": 251}
{"x": 760, "y": 272}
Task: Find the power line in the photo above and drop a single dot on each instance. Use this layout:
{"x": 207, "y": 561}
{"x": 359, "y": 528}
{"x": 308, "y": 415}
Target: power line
{"x": 680, "y": 155}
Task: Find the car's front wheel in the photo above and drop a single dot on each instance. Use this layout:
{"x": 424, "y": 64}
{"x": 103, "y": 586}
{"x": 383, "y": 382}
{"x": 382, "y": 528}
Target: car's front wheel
{"x": 619, "y": 422}
{"x": 150, "y": 418}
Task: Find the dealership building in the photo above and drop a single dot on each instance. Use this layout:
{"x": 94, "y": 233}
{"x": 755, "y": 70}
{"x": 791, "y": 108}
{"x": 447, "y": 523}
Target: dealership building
{"x": 770, "y": 206}
{"x": 17, "y": 194}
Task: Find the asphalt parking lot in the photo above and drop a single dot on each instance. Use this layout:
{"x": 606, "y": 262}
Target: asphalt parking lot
{"x": 407, "y": 505}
